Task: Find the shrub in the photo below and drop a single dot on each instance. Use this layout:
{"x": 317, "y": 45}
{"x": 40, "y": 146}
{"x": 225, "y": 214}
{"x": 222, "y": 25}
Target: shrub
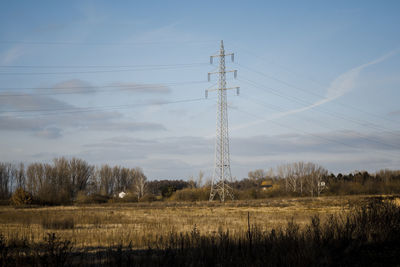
{"x": 191, "y": 194}
{"x": 167, "y": 191}
{"x": 21, "y": 197}
{"x": 4, "y": 251}
{"x": 53, "y": 251}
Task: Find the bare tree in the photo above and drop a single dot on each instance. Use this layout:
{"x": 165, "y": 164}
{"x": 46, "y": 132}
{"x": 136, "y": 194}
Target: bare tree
{"x": 257, "y": 174}
{"x": 139, "y": 184}
{"x": 270, "y": 173}
{"x": 116, "y": 176}
{"x": 35, "y": 177}
{"x": 287, "y": 172}
{"x": 313, "y": 178}
{"x": 126, "y": 180}
{"x": 60, "y": 181}
{"x": 200, "y": 177}
{"x": 196, "y": 182}
{"x": 20, "y": 177}
{"x": 301, "y": 171}
{"x": 106, "y": 180}
{"x": 47, "y": 187}
{"x": 80, "y": 173}
{"x": 6, "y": 177}
{"x": 282, "y": 175}
{"x": 303, "y": 177}
{"x": 192, "y": 182}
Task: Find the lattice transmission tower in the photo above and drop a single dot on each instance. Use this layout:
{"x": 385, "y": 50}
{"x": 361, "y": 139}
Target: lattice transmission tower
{"x": 222, "y": 169}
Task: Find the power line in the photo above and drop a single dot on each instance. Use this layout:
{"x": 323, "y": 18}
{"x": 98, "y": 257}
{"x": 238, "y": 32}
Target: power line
{"x": 287, "y": 69}
{"x": 102, "y": 71}
{"x": 77, "y": 43}
{"x": 318, "y": 108}
{"x": 308, "y": 133}
{"x": 96, "y": 87}
{"x": 313, "y": 93}
{"x": 93, "y": 89}
{"x": 130, "y": 88}
{"x": 69, "y": 110}
{"x": 391, "y": 145}
{"x": 97, "y": 66}
{"x": 307, "y": 91}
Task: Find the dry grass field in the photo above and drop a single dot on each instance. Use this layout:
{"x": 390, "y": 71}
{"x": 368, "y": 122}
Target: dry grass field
{"x": 325, "y": 231}
{"x": 141, "y": 224}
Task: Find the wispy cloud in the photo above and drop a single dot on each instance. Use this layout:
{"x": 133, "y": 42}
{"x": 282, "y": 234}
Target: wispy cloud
{"x": 49, "y": 133}
{"x": 74, "y": 86}
{"x": 343, "y": 84}
{"x": 394, "y": 113}
{"x": 25, "y": 101}
{"x": 188, "y": 153}
{"x": 11, "y": 54}
{"x": 81, "y": 86}
{"x": 47, "y": 117}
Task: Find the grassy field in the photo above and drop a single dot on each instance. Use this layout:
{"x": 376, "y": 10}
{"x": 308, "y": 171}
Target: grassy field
{"x": 140, "y": 224}
{"x": 326, "y": 231}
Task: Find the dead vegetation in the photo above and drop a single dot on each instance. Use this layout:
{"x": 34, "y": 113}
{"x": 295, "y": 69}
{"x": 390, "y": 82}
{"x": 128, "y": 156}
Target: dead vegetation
{"x": 307, "y": 232}
{"x": 130, "y": 232}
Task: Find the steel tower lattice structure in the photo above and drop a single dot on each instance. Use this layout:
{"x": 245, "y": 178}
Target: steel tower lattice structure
{"x": 222, "y": 170}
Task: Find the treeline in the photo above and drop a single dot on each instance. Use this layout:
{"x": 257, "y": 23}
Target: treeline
{"x": 309, "y": 179}
{"x": 66, "y": 181}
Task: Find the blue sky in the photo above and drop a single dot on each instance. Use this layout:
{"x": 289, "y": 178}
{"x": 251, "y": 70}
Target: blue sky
{"x": 123, "y": 83}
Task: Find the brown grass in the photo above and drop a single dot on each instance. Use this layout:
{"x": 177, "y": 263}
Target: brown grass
{"x": 140, "y": 224}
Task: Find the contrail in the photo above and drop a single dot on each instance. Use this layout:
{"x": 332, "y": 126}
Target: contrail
{"x": 343, "y": 84}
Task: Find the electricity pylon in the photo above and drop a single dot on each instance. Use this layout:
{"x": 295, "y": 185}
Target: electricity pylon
{"x": 222, "y": 169}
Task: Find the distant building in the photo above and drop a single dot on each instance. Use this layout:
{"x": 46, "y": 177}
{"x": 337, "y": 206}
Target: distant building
{"x": 266, "y": 185}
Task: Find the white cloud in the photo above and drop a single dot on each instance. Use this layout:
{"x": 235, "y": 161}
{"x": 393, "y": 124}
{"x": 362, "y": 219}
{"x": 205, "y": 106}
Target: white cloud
{"x": 18, "y": 113}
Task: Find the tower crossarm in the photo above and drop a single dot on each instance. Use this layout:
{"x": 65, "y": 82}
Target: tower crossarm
{"x": 216, "y": 89}
{"x": 222, "y": 55}
{"x": 220, "y": 72}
